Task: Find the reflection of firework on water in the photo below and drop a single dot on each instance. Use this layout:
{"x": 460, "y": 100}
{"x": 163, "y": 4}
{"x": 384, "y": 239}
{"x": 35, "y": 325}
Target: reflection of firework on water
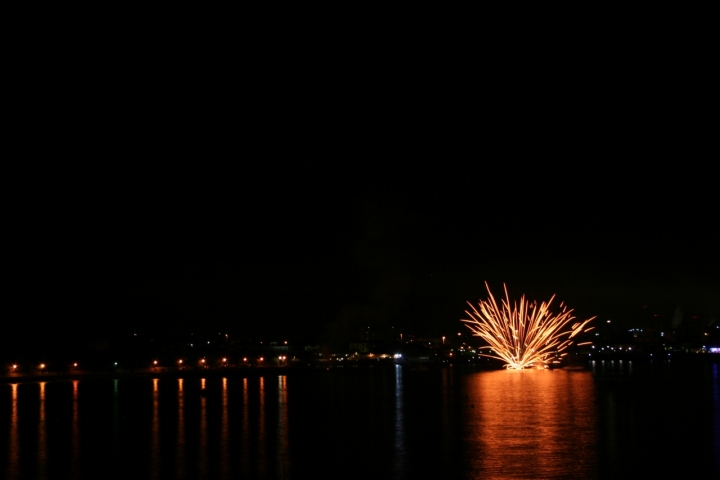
{"x": 524, "y": 335}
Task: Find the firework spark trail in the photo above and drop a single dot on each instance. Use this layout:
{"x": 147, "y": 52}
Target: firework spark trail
{"x": 523, "y": 334}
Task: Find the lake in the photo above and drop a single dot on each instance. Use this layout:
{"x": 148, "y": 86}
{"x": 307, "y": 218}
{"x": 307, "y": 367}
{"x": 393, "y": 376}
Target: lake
{"x": 612, "y": 420}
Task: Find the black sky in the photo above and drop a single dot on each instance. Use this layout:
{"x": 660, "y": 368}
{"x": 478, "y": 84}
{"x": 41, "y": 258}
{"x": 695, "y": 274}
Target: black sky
{"x": 200, "y": 174}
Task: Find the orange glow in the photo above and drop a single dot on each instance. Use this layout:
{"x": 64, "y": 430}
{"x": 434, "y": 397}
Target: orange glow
{"x": 202, "y": 361}
{"x": 75, "y": 364}
{"x": 524, "y": 335}
{"x": 261, "y": 359}
{"x": 180, "y": 361}
{"x": 154, "y": 362}
{"x": 14, "y": 445}
{"x": 14, "y": 367}
{"x": 528, "y": 411}
{"x": 42, "y": 365}
{"x": 224, "y": 359}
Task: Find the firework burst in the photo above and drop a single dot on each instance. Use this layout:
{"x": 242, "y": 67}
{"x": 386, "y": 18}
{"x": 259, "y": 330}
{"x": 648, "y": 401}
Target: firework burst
{"x": 524, "y": 334}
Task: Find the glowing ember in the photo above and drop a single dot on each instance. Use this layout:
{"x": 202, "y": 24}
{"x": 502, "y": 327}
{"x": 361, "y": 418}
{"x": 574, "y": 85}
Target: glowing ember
{"x": 525, "y": 335}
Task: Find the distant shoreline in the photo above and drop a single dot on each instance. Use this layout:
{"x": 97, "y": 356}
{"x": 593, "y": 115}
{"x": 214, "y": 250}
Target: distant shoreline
{"x": 142, "y": 373}
{"x": 219, "y": 373}
{"x": 157, "y": 372}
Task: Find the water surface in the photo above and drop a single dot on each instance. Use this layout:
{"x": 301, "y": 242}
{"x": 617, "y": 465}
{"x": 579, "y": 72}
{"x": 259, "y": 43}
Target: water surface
{"x": 615, "y": 421}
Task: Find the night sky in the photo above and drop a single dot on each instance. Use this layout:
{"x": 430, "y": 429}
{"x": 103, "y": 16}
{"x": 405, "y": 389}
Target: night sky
{"x": 280, "y": 180}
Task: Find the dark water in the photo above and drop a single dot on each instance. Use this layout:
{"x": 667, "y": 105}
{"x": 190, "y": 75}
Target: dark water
{"x": 626, "y": 421}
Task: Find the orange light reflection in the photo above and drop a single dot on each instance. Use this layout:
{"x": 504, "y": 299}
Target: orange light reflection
{"x": 531, "y": 423}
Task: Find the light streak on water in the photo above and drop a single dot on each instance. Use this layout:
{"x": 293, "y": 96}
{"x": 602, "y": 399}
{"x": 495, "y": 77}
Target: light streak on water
{"x": 400, "y": 467}
{"x": 42, "y": 439}
{"x": 181, "y": 431}
{"x": 246, "y": 427}
{"x": 75, "y": 446}
{"x": 524, "y": 334}
{"x": 202, "y": 467}
{"x": 262, "y": 458}
{"x": 155, "y": 433}
{"x": 14, "y": 450}
{"x": 224, "y": 428}
{"x": 716, "y": 411}
{"x": 282, "y": 427}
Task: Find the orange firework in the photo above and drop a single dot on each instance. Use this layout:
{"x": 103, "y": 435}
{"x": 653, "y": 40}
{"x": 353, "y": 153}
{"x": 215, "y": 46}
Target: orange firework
{"x": 525, "y": 335}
